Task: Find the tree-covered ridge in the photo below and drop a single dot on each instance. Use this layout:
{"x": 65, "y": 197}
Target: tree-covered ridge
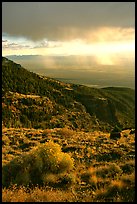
{"x": 17, "y": 79}
{"x": 31, "y": 100}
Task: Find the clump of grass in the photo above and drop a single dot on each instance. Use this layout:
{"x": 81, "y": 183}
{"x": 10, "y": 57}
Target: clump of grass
{"x": 90, "y": 178}
{"x": 86, "y": 175}
{"x": 129, "y": 180}
{"x": 5, "y": 140}
{"x": 108, "y": 171}
{"x": 111, "y": 193}
{"x": 46, "y": 132}
{"x": 66, "y": 132}
{"x": 113, "y": 154}
{"x": 128, "y": 167}
{"x": 100, "y": 176}
{"x": 122, "y": 190}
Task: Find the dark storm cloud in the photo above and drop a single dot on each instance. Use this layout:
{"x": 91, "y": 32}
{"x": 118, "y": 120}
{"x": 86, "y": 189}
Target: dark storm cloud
{"x": 64, "y": 20}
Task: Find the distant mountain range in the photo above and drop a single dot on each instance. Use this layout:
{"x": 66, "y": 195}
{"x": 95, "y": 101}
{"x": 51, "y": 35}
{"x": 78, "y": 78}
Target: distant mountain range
{"x": 35, "y": 101}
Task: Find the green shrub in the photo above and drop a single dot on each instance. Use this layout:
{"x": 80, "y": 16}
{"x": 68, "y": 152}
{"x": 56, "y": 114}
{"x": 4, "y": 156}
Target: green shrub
{"x": 66, "y": 180}
{"x": 132, "y": 131}
{"x": 34, "y": 165}
{"x": 54, "y": 160}
{"x": 115, "y": 133}
{"x": 46, "y": 158}
{"x": 66, "y": 163}
{"x": 116, "y": 129}
{"x": 22, "y": 178}
{"x": 11, "y": 169}
{"x": 50, "y": 179}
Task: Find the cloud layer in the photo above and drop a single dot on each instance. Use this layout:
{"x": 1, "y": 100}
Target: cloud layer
{"x": 65, "y": 20}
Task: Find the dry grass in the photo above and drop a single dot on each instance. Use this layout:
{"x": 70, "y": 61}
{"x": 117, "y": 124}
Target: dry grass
{"x": 36, "y": 195}
{"x": 108, "y": 165}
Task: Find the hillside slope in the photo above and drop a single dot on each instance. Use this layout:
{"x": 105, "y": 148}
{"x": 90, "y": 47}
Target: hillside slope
{"x": 34, "y": 101}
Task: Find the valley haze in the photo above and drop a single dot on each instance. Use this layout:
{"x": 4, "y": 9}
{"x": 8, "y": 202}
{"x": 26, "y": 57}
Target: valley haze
{"x": 80, "y": 70}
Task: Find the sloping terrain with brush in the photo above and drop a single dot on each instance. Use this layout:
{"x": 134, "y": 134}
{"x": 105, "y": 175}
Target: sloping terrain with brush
{"x": 31, "y": 100}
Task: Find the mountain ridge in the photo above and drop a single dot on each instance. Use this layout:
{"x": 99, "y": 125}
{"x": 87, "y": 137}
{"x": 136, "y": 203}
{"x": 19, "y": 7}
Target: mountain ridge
{"x": 60, "y": 104}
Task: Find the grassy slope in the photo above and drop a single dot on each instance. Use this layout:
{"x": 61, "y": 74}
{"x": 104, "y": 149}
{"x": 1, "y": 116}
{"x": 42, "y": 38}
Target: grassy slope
{"x": 104, "y": 168}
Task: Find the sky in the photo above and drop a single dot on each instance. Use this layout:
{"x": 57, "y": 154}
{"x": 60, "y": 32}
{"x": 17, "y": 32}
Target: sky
{"x": 103, "y": 30}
